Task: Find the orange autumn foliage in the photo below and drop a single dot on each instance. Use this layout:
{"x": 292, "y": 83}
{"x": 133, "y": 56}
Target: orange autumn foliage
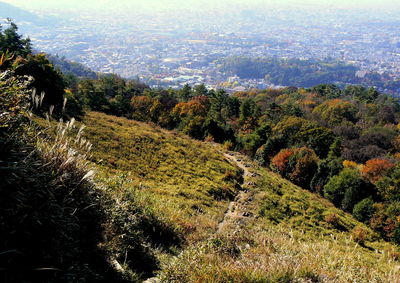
{"x": 281, "y": 159}
{"x": 376, "y": 168}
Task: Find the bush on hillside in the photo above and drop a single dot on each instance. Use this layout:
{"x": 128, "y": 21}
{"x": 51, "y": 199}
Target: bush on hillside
{"x": 364, "y": 210}
{"x": 346, "y": 189}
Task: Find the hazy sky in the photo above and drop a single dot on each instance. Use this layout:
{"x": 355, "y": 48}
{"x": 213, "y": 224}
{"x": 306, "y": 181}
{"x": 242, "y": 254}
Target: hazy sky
{"x": 195, "y": 4}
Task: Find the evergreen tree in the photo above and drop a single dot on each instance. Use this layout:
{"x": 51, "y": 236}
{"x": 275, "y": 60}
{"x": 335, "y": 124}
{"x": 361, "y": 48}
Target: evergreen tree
{"x": 13, "y": 42}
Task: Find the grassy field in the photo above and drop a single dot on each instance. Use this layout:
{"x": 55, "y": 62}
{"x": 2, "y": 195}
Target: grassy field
{"x": 275, "y": 232}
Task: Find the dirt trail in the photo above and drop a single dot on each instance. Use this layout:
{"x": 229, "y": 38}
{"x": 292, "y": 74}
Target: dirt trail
{"x": 240, "y": 164}
{"x": 237, "y": 213}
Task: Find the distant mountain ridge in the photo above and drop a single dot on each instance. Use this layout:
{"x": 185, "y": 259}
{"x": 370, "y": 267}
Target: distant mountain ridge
{"x": 19, "y": 15}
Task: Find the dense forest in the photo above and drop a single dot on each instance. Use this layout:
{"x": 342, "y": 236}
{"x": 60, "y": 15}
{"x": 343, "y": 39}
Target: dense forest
{"x": 339, "y": 144}
{"x": 305, "y": 73}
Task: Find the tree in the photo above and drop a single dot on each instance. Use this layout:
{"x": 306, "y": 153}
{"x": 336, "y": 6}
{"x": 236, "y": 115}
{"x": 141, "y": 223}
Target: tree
{"x": 120, "y": 105}
{"x": 249, "y": 112}
{"x": 305, "y": 164}
{"x": 361, "y": 93}
{"x": 375, "y": 169}
{"x": 361, "y": 153}
{"x": 329, "y": 91}
{"x": 222, "y": 107}
{"x": 166, "y": 97}
{"x": 386, "y": 114}
{"x": 251, "y": 142}
{"x": 111, "y": 85}
{"x": 13, "y": 42}
{"x": 336, "y": 111}
{"x": 364, "y": 210}
{"x": 389, "y": 185}
{"x": 141, "y": 107}
{"x": 218, "y": 101}
{"x": 346, "y": 189}
{"x": 94, "y": 99}
{"x": 190, "y": 116}
{"x": 297, "y": 164}
{"x": 219, "y": 133}
{"x": 195, "y": 107}
{"x": 267, "y": 151}
{"x": 47, "y": 79}
{"x": 185, "y": 93}
{"x": 292, "y": 125}
{"x": 319, "y": 139}
{"x": 281, "y": 160}
{"x": 291, "y": 109}
{"x": 200, "y": 90}
{"x": 327, "y": 168}
{"x": 335, "y": 150}
{"x": 194, "y": 127}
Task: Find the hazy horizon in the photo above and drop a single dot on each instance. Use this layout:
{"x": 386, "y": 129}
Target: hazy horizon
{"x": 149, "y": 5}
{"x": 137, "y": 37}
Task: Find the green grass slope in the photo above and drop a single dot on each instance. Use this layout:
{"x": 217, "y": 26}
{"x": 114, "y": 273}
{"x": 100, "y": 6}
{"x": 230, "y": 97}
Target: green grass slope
{"x": 187, "y": 182}
{"x": 292, "y": 235}
{"x": 166, "y": 191}
{"x": 273, "y": 230}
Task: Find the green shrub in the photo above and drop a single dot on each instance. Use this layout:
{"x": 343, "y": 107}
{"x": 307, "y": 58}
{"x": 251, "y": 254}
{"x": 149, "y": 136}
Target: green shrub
{"x": 364, "y": 210}
{"x": 345, "y": 189}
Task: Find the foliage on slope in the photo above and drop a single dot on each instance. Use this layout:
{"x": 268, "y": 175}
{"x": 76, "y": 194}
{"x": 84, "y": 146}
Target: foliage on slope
{"x": 306, "y": 135}
{"x": 69, "y": 68}
{"x": 295, "y": 236}
{"x": 294, "y": 229}
{"x": 16, "y": 55}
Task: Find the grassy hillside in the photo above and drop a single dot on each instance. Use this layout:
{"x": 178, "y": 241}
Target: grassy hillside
{"x": 273, "y": 230}
{"x": 190, "y": 182}
{"x": 287, "y": 234}
{"x": 187, "y": 182}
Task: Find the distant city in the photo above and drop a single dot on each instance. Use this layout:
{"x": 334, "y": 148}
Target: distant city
{"x": 173, "y": 52}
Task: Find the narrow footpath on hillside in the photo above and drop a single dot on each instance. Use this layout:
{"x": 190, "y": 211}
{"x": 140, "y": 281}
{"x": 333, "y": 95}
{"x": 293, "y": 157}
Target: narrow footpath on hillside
{"x": 238, "y": 213}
